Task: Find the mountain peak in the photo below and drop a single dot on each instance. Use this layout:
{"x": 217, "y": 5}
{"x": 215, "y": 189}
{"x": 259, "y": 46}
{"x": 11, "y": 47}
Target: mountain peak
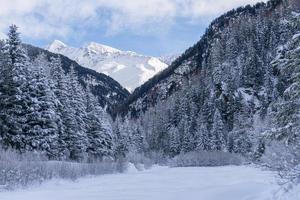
{"x": 101, "y": 48}
{"x": 56, "y": 45}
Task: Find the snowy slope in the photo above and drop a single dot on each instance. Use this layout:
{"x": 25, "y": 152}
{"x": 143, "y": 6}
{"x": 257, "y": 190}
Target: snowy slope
{"x": 162, "y": 183}
{"x": 128, "y": 68}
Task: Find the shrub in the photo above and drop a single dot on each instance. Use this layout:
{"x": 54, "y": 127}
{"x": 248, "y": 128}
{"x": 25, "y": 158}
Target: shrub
{"x": 22, "y": 170}
{"x": 206, "y": 158}
{"x": 283, "y": 158}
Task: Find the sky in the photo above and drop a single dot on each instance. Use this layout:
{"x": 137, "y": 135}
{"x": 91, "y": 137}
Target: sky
{"x": 150, "y": 27}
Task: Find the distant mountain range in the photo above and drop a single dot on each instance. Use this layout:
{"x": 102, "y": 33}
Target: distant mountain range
{"x": 128, "y": 68}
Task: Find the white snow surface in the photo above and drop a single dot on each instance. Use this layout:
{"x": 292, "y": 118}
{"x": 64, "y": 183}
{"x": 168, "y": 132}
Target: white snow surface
{"x": 128, "y": 68}
{"x": 163, "y": 183}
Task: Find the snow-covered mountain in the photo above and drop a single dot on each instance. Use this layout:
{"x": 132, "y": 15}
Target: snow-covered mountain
{"x": 128, "y": 68}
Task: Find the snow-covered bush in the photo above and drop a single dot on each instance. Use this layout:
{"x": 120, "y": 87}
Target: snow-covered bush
{"x": 147, "y": 159}
{"x": 205, "y": 158}
{"x": 158, "y": 157}
{"x": 139, "y": 158}
{"x": 22, "y": 170}
{"x": 283, "y": 158}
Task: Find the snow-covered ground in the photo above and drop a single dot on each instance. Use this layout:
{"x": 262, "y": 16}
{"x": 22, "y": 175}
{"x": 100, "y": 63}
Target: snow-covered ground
{"x": 161, "y": 183}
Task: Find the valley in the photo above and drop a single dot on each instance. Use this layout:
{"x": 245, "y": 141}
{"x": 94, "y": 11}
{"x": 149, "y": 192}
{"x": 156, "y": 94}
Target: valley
{"x": 219, "y": 121}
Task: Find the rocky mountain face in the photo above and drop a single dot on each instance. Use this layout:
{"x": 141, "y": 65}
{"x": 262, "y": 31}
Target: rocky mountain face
{"x": 128, "y": 68}
{"x": 108, "y": 91}
{"x": 236, "y": 90}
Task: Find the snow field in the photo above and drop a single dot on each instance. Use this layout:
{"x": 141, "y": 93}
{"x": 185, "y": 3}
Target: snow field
{"x": 161, "y": 183}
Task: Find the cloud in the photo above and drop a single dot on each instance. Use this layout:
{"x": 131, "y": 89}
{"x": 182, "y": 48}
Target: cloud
{"x": 207, "y": 8}
{"x": 140, "y": 16}
{"x": 42, "y": 19}
{"x": 158, "y": 15}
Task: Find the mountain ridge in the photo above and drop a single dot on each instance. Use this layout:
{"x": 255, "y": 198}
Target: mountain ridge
{"x": 196, "y": 51}
{"x": 127, "y": 67}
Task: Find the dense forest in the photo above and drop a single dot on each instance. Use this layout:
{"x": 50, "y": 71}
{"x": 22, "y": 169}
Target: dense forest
{"x": 43, "y": 109}
{"x": 236, "y": 90}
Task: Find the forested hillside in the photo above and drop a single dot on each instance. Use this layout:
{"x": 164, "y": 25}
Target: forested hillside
{"x": 236, "y": 90}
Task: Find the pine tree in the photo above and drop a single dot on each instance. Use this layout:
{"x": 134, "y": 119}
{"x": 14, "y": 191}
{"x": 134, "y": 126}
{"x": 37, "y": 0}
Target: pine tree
{"x": 41, "y": 119}
{"x": 121, "y": 148}
{"x": 13, "y": 97}
{"x": 59, "y": 86}
{"x": 74, "y": 118}
{"x": 187, "y": 137}
{"x": 175, "y": 143}
{"x": 137, "y": 138}
{"x": 99, "y": 130}
{"x": 203, "y": 137}
{"x": 218, "y": 133}
{"x": 239, "y": 137}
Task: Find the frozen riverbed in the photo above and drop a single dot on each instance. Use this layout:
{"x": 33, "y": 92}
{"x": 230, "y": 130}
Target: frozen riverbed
{"x": 160, "y": 183}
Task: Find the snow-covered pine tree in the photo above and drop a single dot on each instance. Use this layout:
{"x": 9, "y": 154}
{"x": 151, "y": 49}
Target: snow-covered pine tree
{"x": 98, "y": 129}
{"x": 218, "y": 133}
{"x": 174, "y": 142}
{"x": 41, "y": 119}
{"x": 121, "y": 148}
{"x": 137, "y": 139}
{"x": 60, "y": 88}
{"x": 239, "y": 137}
{"x": 203, "y": 136}
{"x": 75, "y": 114}
{"x": 13, "y": 97}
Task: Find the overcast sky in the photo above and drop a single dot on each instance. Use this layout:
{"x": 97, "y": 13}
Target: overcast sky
{"x": 152, "y": 27}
